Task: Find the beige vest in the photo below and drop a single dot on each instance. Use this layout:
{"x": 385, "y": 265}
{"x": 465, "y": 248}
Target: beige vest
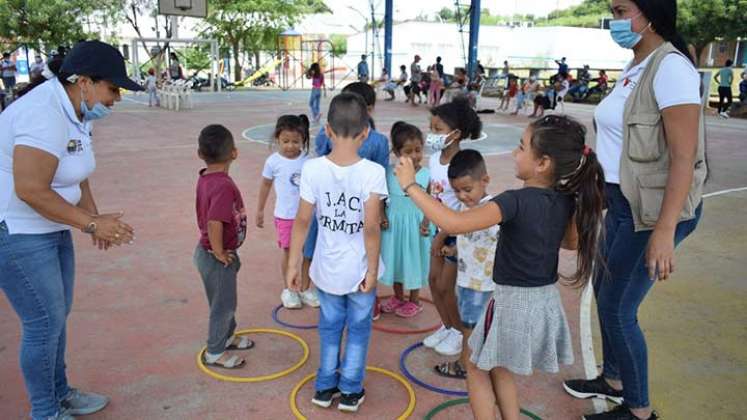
{"x": 644, "y": 161}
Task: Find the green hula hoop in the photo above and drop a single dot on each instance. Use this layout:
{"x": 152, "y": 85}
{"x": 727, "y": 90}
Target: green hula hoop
{"x": 443, "y": 406}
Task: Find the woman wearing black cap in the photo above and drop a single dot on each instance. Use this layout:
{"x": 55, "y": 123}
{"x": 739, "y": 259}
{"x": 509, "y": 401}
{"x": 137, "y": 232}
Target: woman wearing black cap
{"x": 45, "y": 161}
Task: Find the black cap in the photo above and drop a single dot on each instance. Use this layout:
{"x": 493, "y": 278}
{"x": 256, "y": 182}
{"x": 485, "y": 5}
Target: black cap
{"x": 95, "y": 58}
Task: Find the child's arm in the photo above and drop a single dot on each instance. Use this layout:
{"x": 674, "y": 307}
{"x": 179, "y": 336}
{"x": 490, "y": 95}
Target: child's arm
{"x": 570, "y": 239}
{"x": 425, "y": 225}
{"x": 372, "y": 240}
{"x": 298, "y": 236}
{"x": 264, "y": 192}
{"x": 215, "y": 236}
{"x": 452, "y": 222}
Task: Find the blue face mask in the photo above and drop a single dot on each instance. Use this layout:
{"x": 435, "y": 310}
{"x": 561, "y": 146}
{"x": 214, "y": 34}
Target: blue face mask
{"x": 622, "y": 33}
{"x": 98, "y": 111}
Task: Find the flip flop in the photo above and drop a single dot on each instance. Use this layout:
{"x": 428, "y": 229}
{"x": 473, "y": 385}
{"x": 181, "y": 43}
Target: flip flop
{"x": 453, "y": 370}
{"x": 233, "y": 362}
{"x": 244, "y": 343}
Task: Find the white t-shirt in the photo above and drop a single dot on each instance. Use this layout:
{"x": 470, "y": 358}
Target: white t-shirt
{"x": 676, "y": 83}
{"x": 286, "y": 178}
{"x": 339, "y": 194}
{"x": 43, "y": 119}
{"x": 7, "y": 68}
{"x": 476, "y": 251}
{"x": 150, "y": 83}
{"x": 440, "y": 188}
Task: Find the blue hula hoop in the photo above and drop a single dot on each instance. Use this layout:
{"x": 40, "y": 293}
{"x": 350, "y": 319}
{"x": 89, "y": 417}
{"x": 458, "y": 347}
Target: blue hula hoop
{"x": 413, "y": 379}
{"x": 285, "y": 324}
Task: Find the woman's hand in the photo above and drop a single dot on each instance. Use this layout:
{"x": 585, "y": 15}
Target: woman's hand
{"x": 225, "y": 257}
{"x": 109, "y": 228}
{"x": 384, "y": 222}
{"x": 101, "y": 244}
{"x": 260, "y": 219}
{"x": 292, "y": 279}
{"x": 425, "y": 227}
{"x": 660, "y": 254}
{"x": 405, "y": 172}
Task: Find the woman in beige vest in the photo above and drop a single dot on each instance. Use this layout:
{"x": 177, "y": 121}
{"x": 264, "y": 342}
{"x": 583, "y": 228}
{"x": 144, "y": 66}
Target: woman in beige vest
{"x": 650, "y": 143}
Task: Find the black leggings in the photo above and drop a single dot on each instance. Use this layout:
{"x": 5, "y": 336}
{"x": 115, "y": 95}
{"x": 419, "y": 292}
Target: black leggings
{"x": 724, "y": 92}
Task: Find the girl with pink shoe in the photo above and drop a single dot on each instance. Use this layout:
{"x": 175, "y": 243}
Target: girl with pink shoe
{"x": 406, "y": 233}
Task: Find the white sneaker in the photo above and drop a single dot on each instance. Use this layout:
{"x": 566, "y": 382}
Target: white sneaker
{"x": 437, "y": 337}
{"x": 451, "y": 345}
{"x": 290, "y": 299}
{"x": 309, "y": 297}
{"x": 724, "y": 114}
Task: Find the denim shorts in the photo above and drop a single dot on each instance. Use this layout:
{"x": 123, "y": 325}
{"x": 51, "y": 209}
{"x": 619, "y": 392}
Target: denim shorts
{"x": 471, "y": 305}
{"x": 451, "y": 241}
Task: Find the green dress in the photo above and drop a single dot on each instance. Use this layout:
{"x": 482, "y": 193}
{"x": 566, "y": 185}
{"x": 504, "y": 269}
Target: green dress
{"x": 406, "y": 253}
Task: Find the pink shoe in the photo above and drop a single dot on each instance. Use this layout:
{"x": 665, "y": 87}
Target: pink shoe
{"x": 391, "y": 305}
{"x": 409, "y": 310}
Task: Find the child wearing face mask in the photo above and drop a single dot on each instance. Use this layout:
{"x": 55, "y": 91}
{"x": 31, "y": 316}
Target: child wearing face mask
{"x": 450, "y": 124}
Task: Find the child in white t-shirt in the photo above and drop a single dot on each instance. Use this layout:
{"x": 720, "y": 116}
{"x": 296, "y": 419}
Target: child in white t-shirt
{"x": 283, "y": 171}
{"x": 344, "y": 191}
{"x": 469, "y": 178}
{"x": 152, "y": 88}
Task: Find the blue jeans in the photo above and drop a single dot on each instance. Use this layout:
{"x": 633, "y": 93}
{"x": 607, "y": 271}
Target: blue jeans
{"x": 620, "y": 292}
{"x": 314, "y": 99}
{"x": 310, "y": 244}
{"x": 353, "y": 311}
{"x": 37, "y": 277}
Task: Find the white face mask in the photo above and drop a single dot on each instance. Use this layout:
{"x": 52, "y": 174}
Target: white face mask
{"x": 437, "y": 142}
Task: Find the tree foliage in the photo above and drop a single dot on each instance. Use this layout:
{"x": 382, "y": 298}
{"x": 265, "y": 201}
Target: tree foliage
{"x": 43, "y": 24}
{"x": 254, "y": 24}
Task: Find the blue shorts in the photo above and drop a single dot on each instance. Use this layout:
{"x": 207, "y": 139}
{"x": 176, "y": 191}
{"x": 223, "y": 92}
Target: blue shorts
{"x": 451, "y": 241}
{"x": 471, "y": 305}
{"x": 310, "y": 244}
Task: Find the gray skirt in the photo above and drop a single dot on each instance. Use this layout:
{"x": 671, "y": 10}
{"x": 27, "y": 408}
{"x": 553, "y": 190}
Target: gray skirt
{"x": 522, "y": 329}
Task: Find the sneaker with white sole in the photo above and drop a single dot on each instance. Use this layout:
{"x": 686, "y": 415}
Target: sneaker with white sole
{"x": 79, "y": 403}
{"x": 324, "y": 398}
{"x": 436, "y": 338}
{"x": 593, "y": 388}
{"x": 309, "y": 298}
{"x": 351, "y": 402}
{"x": 290, "y": 299}
{"x": 451, "y": 345}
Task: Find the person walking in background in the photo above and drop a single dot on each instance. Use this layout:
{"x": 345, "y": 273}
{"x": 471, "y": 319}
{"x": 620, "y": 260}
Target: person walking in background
{"x": 724, "y": 78}
{"x": 363, "y": 75}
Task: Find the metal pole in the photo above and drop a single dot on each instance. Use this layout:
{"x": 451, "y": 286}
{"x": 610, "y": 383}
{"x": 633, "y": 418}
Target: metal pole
{"x": 136, "y": 61}
{"x": 474, "y": 29}
{"x": 388, "y": 36}
{"x": 373, "y": 42}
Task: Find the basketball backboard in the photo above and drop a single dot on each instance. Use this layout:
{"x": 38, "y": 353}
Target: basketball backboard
{"x": 193, "y": 8}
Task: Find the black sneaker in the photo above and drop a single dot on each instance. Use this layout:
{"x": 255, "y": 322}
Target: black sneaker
{"x": 351, "y": 402}
{"x": 593, "y": 388}
{"x": 621, "y": 412}
{"x": 324, "y": 398}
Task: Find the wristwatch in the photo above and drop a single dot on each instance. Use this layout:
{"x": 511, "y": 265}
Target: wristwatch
{"x": 90, "y": 228}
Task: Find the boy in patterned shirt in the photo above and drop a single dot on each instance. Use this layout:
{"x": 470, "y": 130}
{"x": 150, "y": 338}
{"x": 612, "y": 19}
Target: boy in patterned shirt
{"x": 469, "y": 178}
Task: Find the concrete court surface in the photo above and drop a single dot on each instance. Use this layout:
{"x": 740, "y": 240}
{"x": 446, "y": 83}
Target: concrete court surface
{"x": 140, "y": 314}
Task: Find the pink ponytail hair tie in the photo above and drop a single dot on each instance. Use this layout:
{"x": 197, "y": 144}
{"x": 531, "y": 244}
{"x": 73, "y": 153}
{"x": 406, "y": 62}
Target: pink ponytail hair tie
{"x": 587, "y": 150}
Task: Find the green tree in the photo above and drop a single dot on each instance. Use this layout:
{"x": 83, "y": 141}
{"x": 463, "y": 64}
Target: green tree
{"x": 41, "y": 24}
{"x": 235, "y": 22}
{"x": 339, "y": 45}
{"x": 702, "y": 22}
{"x": 196, "y": 58}
{"x": 446, "y": 14}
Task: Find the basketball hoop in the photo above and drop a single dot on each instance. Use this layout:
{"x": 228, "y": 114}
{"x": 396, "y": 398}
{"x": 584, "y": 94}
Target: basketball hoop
{"x": 192, "y": 8}
{"x": 183, "y": 5}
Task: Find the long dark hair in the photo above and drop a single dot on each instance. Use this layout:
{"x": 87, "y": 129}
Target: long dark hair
{"x": 576, "y": 171}
{"x": 663, "y": 17}
{"x": 297, "y": 123}
{"x": 459, "y": 115}
{"x": 314, "y": 70}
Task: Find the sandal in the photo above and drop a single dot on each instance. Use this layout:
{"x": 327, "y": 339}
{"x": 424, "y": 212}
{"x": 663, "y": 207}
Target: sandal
{"x": 233, "y": 362}
{"x": 391, "y": 305}
{"x": 409, "y": 310}
{"x": 244, "y": 343}
{"x": 452, "y": 370}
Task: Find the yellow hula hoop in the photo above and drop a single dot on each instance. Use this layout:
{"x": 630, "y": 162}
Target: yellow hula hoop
{"x": 242, "y": 379}
{"x": 406, "y": 414}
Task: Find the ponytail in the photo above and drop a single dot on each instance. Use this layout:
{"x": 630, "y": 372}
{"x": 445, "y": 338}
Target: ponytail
{"x": 587, "y": 185}
{"x": 578, "y": 173}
